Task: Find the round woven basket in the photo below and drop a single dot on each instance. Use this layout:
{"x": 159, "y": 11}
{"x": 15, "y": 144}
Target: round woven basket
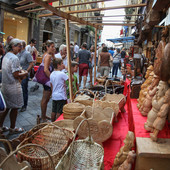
{"x": 54, "y": 139}
{"x": 72, "y": 110}
{"x": 71, "y": 116}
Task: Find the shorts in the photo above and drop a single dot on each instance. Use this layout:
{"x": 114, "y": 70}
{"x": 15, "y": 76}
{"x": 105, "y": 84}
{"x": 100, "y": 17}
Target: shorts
{"x": 47, "y": 88}
{"x": 57, "y": 106}
{"x": 83, "y": 69}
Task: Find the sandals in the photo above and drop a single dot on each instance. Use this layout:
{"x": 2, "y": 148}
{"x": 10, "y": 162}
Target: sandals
{"x": 15, "y": 130}
{"x": 3, "y": 129}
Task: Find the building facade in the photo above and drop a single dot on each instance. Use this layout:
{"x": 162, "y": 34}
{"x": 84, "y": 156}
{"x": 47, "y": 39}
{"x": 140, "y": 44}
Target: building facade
{"x": 27, "y": 25}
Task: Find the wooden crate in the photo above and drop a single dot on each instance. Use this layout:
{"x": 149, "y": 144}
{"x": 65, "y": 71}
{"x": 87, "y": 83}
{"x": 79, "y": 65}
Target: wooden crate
{"x": 152, "y": 155}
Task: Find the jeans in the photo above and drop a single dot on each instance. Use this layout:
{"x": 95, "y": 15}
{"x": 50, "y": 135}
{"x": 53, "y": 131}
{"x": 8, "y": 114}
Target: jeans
{"x": 24, "y": 85}
{"x": 115, "y": 69}
{"x": 104, "y": 70}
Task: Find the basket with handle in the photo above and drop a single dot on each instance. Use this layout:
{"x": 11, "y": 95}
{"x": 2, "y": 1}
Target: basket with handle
{"x": 51, "y": 137}
{"x": 83, "y": 98}
{"x": 82, "y": 154}
{"x": 10, "y": 162}
{"x": 119, "y": 99}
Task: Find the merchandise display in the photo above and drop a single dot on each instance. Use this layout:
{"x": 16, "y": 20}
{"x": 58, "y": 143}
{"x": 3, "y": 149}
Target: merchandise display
{"x": 147, "y": 103}
{"x": 81, "y": 120}
{"x": 127, "y": 164}
{"x": 159, "y": 122}
{"x": 157, "y": 102}
{"x": 144, "y": 87}
{"x": 124, "y": 151}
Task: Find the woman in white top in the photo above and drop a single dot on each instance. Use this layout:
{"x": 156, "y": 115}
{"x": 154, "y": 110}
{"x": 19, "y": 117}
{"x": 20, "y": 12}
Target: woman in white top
{"x": 11, "y": 87}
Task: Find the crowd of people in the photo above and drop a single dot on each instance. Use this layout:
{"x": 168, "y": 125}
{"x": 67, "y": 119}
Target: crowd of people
{"x": 18, "y": 59}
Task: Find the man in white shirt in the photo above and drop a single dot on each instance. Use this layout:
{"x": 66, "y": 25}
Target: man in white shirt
{"x": 31, "y": 48}
{"x": 76, "y": 49}
{"x": 63, "y": 55}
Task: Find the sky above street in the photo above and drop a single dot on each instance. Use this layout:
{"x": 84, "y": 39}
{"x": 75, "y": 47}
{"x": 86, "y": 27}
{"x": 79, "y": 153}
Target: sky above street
{"x": 112, "y": 31}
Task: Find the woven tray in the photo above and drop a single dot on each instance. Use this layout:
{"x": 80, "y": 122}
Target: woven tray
{"x": 54, "y": 139}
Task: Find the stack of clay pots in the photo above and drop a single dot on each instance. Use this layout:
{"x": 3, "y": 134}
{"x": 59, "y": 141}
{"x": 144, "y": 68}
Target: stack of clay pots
{"x": 72, "y": 110}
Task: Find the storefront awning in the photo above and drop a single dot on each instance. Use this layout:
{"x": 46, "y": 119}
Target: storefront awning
{"x": 122, "y": 39}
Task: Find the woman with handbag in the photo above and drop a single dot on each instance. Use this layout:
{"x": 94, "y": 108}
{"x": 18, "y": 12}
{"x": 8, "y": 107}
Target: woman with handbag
{"x": 103, "y": 61}
{"x": 12, "y": 74}
{"x": 47, "y": 69}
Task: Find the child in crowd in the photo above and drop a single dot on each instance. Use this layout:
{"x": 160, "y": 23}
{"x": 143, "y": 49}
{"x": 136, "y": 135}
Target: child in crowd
{"x": 74, "y": 68}
{"x": 58, "y": 86}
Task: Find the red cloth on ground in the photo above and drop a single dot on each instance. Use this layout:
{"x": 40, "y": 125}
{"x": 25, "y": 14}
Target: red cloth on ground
{"x": 113, "y": 145}
{"x": 139, "y": 121}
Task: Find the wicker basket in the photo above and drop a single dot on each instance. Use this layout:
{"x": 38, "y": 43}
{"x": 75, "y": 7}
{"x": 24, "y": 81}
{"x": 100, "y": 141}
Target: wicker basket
{"x": 72, "y": 110}
{"x": 120, "y": 99}
{"x": 10, "y": 161}
{"x": 82, "y": 154}
{"x": 100, "y": 121}
{"x": 54, "y": 139}
{"x": 66, "y": 123}
{"x": 83, "y": 98}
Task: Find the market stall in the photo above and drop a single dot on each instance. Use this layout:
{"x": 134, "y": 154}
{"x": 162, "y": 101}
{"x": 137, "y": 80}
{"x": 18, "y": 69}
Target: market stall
{"x": 112, "y": 140}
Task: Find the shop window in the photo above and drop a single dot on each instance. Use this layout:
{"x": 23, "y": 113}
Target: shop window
{"x": 16, "y": 26}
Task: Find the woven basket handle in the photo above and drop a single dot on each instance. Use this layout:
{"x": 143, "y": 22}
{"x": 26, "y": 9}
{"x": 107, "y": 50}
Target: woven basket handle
{"x": 6, "y": 141}
{"x": 90, "y": 138}
{"x": 38, "y": 127}
{"x": 79, "y": 127}
{"x": 82, "y": 90}
{"x": 67, "y": 137}
{"x": 34, "y": 145}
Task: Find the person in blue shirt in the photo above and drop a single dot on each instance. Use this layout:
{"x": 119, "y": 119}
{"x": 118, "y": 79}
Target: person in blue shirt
{"x": 111, "y": 51}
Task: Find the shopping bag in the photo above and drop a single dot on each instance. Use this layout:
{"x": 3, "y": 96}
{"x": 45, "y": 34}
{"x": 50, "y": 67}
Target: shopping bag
{"x": 41, "y": 77}
{"x": 2, "y": 103}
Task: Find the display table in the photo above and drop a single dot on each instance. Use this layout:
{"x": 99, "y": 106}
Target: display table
{"x": 115, "y": 142}
{"x": 152, "y": 155}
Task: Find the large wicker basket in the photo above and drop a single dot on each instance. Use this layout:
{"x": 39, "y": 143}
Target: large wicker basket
{"x": 54, "y": 139}
{"x": 82, "y": 155}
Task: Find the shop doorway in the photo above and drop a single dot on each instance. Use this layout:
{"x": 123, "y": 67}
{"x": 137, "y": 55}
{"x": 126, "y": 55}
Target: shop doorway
{"x": 48, "y": 30}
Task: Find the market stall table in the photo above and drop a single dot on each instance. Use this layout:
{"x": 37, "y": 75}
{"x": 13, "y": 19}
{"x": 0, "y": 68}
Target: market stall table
{"x": 115, "y": 142}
